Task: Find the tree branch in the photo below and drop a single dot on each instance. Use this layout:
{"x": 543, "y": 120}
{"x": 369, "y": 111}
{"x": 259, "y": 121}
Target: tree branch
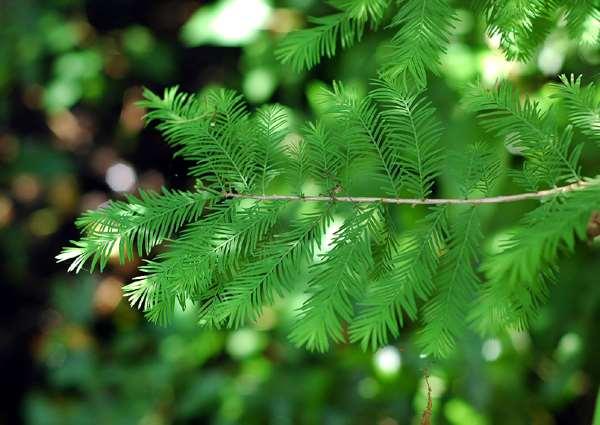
{"x": 408, "y": 201}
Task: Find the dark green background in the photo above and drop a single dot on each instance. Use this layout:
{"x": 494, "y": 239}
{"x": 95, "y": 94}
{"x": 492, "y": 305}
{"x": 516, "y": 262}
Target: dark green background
{"x": 71, "y": 353}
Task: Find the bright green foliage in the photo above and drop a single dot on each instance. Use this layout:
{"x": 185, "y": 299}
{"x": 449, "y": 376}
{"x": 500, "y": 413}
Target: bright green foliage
{"x": 363, "y": 142}
{"x": 457, "y": 279}
{"x": 457, "y": 283}
{"x": 193, "y": 262}
{"x": 583, "y": 104}
{"x": 523, "y": 25}
{"x": 304, "y": 49}
{"x": 478, "y": 169}
{"x": 415, "y": 132}
{"x": 326, "y": 162}
{"x": 271, "y": 269}
{"x": 519, "y": 276}
{"x": 581, "y": 15}
{"x": 209, "y": 133}
{"x": 337, "y": 281}
{"x": 142, "y": 222}
{"x": 550, "y": 158}
{"x": 270, "y": 127}
{"x": 421, "y": 30}
{"x": 235, "y": 245}
{"x": 397, "y": 293}
{"x": 235, "y": 256}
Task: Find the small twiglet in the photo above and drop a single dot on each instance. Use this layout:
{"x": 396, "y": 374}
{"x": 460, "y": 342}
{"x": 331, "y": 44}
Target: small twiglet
{"x": 426, "y": 418}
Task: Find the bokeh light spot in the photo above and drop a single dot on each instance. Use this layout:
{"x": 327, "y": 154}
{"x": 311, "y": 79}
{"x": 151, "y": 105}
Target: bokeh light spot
{"x": 491, "y": 349}
{"x": 26, "y": 187}
{"x": 121, "y": 177}
{"x": 108, "y": 295}
{"x": 459, "y": 412}
{"x": 259, "y": 85}
{"x": 569, "y": 345}
{"x": 228, "y": 23}
{"x": 368, "y": 388}
{"x": 552, "y": 57}
{"x": 388, "y": 360}
{"x": 43, "y": 222}
{"x": 244, "y": 343}
{"x": 6, "y": 211}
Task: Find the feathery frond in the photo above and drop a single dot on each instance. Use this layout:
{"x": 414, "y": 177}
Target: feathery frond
{"x": 141, "y": 222}
{"x": 525, "y": 129}
{"x": 583, "y": 104}
{"x": 421, "y": 40}
{"x": 209, "y": 130}
{"x": 500, "y": 111}
{"x": 271, "y": 270}
{"x": 385, "y": 243}
{"x": 518, "y": 276}
{"x": 322, "y": 152}
{"x": 365, "y": 145}
{"x": 423, "y": 29}
{"x": 581, "y": 15}
{"x": 236, "y": 243}
{"x": 271, "y": 125}
{"x": 414, "y": 132}
{"x": 337, "y": 281}
{"x": 521, "y": 25}
{"x": 303, "y": 49}
{"x": 396, "y": 294}
{"x": 476, "y": 170}
{"x": 299, "y": 164}
{"x": 457, "y": 282}
{"x": 204, "y": 251}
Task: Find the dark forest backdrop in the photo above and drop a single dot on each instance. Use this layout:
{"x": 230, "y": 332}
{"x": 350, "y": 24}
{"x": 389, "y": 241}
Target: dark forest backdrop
{"x": 73, "y": 352}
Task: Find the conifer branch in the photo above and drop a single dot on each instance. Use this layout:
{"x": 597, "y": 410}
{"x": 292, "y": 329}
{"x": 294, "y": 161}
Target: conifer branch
{"x": 582, "y": 184}
{"x": 368, "y": 271}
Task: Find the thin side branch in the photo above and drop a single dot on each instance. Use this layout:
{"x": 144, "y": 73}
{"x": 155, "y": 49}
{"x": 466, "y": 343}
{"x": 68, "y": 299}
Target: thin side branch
{"x": 426, "y": 418}
{"x": 408, "y": 201}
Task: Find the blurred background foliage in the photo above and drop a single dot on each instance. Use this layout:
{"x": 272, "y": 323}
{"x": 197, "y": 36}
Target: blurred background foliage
{"x": 71, "y": 137}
